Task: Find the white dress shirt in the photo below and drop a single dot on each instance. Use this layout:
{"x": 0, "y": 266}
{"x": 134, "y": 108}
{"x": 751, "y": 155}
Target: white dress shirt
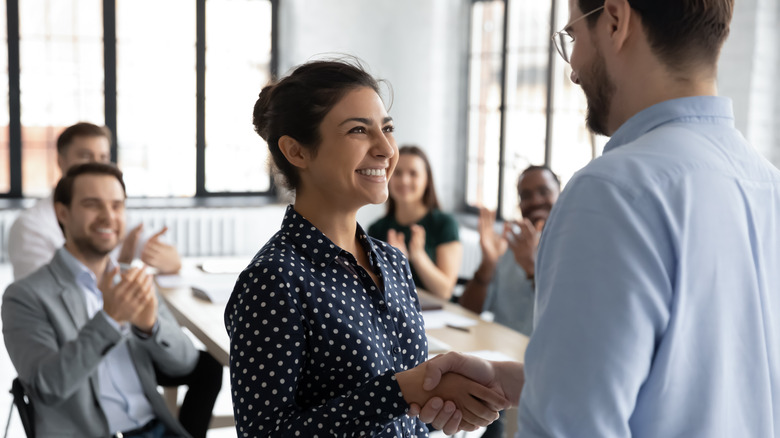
{"x": 34, "y": 238}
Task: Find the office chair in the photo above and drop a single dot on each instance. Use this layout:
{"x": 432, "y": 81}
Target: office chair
{"x": 25, "y": 407}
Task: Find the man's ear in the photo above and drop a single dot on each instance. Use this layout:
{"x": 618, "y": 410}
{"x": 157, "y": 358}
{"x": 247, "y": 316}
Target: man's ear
{"x": 296, "y": 154}
{"x": 61, "y": 164}
{"x": 62, "y": 212}
{"x": 621, "y": 22}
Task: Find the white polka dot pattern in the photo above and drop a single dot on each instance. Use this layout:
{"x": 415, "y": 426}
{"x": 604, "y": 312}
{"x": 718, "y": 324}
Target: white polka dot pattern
{"x": 315, "y": 344}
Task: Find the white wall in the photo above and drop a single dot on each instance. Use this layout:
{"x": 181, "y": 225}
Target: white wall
{"x": 419, "y": 46}
{"x": 748, "y": 73}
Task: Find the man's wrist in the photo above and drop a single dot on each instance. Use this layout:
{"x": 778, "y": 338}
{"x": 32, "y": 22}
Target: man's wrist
{"x": 484, "y": 274}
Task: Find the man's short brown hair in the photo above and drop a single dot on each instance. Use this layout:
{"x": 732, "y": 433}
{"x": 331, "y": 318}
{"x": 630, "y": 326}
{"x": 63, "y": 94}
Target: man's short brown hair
{"x": 63, "y": 193}
{"x": 681, "y": 33}
{"x": 81, "y": 129}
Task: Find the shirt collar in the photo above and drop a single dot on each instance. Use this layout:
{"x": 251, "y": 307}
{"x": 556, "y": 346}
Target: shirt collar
{"x": 709, "y": 109}
{"x": 316, "y": 245}
{"x": 83, "y": 275}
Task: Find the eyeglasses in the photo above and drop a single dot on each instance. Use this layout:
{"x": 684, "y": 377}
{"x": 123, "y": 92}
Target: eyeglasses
{"x": 564, "y": 41}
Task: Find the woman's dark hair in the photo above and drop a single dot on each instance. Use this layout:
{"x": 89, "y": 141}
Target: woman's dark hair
{"x": 297, "y": 104}
{"x": 429, "y": 195}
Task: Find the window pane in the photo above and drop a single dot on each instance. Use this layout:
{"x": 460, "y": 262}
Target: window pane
{"x": 484, "y": 103}
{"x": 526, "y": 94}
{"x": 61, "y": 80}
{"x": 156, "y": 108}
{"x": 238, "y": 59}
{"x": 5, "y": 162}
{"x": 573, "y": 145}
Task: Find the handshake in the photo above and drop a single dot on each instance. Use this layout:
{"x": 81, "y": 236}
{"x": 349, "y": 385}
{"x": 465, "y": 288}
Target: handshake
{"x": 455, "y": 392}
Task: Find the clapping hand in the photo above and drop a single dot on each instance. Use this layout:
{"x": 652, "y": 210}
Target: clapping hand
{"x": 524, "y": 243}
{"x": 398, "y": 240}
{"x": 493, "y": 245}
{"x": 161, "y": 255}
{"x": 131, "y": 300}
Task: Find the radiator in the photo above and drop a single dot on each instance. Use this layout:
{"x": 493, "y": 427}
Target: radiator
{"x": 472, "y": 252}
{"x": 196, "y": 232}
{"x": 7, "y": 218}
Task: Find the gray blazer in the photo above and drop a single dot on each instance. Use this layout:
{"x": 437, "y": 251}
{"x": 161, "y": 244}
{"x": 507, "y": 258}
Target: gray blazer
{"x": 56, "y": 351}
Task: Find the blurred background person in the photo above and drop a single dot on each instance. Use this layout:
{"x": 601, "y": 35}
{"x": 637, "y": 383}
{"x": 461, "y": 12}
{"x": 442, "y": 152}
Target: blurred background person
{"x": 504, "y": 282}
{"x": 35, "y": 237}
{"x": 415, "y": 224}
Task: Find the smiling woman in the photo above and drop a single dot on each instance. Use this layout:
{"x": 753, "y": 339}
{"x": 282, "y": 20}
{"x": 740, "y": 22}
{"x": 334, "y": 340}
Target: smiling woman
{"x": 325, "y": 330}
{"x": 427, "y": 236}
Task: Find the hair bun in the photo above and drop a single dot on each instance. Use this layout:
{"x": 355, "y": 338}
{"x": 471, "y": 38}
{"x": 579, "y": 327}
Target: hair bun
{"x": 261, "y": 115}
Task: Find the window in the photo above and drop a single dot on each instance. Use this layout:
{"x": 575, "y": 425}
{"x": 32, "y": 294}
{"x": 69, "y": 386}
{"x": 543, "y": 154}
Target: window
{"x": 176, "y": 89}
{"x": 511, "y": 124}
{"x": 61, "y": 80}
{"x": 238, "y": 53}
{"x": 155, "y": 96}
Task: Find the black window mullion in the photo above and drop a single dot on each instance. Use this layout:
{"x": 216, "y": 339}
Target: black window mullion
{"x": 502, "y": 110}
{"x": 14, "y": 100}
{"x": 109, "y": 64}
{"x": 200, "y": 93}
{"x": 551, "y": 57}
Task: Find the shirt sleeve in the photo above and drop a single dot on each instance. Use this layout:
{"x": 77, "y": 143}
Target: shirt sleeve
{"x": 449, "y": 229}
{"x": 603, "y": 288}
{"x": 29, "y": 247}
{"x": 269, "y": 348}
{"x": 378, "y": 230}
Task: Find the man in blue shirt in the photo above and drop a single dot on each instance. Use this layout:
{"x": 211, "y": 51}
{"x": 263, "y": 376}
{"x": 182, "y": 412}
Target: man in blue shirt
{"x": 657, "y": 278}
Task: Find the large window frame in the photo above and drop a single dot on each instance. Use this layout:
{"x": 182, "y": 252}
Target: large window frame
{"x": 479, "y": 169}
{"x": 110, "y": 94}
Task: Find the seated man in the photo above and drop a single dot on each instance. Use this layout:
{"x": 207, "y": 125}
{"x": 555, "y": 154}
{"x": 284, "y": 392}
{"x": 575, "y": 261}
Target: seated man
{"x": 85, "y": 339}
{"x": 35, "y": 237}
{"x": 504, "y": 282}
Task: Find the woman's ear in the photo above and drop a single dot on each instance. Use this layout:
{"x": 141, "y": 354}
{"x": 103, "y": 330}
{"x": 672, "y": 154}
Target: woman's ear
{"x": 295, "y": 153}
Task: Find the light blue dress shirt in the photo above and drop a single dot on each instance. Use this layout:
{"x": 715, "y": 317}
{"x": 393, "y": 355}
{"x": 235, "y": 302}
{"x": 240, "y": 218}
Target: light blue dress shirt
{"x": 122, "y": 397}
{"x": 658, "y": 287}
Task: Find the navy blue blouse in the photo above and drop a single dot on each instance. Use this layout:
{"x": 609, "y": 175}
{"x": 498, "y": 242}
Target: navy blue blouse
{"x": 315, "y": 344}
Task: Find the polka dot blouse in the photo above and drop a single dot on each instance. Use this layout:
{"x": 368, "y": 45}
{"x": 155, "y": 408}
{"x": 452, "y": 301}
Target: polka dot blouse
{"x": 315, "y": 344}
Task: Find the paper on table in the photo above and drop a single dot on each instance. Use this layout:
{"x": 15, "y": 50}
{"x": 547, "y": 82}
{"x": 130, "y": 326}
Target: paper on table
{"x": 490, "y": 355}
{"x": 170, "y": 281}
{"x": 435, "y": 319}
{"x": 214, "y": 287}
{"x": 437, "y": 346}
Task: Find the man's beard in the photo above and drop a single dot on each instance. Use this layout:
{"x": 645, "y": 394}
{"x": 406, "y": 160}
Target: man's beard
{"x": 599, "y": 90}
{"x": 89, "y": 250}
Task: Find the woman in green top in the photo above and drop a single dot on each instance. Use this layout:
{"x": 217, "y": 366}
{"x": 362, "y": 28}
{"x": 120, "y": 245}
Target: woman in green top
{"x": 415, "y": 225}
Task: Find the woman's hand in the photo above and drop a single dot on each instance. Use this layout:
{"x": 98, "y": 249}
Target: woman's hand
{"x": 478, "y": 404}
{"x": 398, "y": 240}
{"x": 417, "y": 243}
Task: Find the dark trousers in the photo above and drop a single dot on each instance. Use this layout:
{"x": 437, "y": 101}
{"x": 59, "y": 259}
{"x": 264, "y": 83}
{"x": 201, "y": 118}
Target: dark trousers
{"x": 203, "y": 383}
